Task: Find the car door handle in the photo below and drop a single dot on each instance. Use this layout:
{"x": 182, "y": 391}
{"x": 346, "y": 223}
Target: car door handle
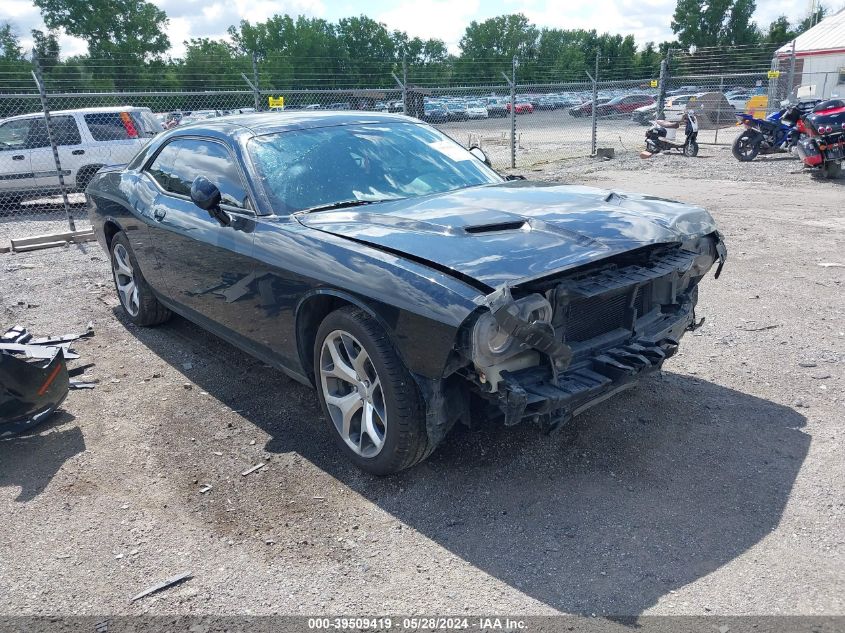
{"x": 78, "y": 152}
{"x": 159, "y": 214}
{"x": 18, "y": 157}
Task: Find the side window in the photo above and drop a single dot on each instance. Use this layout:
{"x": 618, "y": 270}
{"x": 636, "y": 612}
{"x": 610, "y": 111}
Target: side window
{"x": 13, "y": 134}
{"x": 212, "y": 160}
{"x": 182, "y": 160}
{"x": 111, "y": 126}
{"x": 163, "y": 168}
{"x": 37, "y": 136}
{"x": 65, "y": 130}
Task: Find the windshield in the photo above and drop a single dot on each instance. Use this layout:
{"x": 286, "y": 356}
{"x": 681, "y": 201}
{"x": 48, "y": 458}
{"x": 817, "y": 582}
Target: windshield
{"x": 303, "y": 169}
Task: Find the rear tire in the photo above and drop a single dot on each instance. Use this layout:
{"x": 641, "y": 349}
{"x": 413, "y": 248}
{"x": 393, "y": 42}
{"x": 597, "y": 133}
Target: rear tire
{"x": 746, "y": 146}
{"x": 358, "y": 373}
{"x": 831, "y": 169}
{"x": 136, "y": 297}
{"x": 691, "y": 149}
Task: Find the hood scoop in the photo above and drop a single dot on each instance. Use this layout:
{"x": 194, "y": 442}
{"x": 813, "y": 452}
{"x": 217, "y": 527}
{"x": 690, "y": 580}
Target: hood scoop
{"x": 496, "y": 227}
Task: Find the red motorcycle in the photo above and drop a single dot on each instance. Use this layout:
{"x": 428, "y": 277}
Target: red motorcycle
{"x": 822, "y": 144}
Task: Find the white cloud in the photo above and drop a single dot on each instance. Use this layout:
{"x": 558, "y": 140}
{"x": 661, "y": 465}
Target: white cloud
{"x": 441, "y": 19}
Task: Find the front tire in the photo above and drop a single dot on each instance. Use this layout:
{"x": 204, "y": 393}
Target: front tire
{"x": 370, "y": 400}
{"x": 136, "y": 297}
{"x": 746, "y": 146}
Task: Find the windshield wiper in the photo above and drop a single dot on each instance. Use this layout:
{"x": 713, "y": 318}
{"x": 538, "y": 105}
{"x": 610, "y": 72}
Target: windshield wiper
{"x": 343, "y": 204}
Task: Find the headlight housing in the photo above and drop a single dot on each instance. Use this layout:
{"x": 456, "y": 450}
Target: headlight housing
{"x": 491, "y": 345}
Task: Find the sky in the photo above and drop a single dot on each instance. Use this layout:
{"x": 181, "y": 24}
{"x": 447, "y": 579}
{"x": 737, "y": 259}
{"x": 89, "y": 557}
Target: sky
{"x": 646, "y": 20}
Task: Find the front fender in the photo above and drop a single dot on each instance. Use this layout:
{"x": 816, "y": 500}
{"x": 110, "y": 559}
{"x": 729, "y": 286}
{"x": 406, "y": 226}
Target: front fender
{"x": 420, "y": 308}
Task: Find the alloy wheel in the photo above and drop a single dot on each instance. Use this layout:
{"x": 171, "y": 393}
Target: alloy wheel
{"x": 124, "y": 279}
{"x": 353, "y": 393}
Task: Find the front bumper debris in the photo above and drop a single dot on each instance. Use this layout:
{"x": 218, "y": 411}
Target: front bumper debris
{"x": 533, "y": 393}
{"x": 34, "y": 377}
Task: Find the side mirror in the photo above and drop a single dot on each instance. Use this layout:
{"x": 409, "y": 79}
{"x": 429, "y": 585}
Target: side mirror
{"x": 476, "y": 151}
{"x": 206, "y": 195}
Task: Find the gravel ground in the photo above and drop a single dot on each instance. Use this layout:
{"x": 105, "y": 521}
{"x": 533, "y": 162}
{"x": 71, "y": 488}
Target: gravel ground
{"x": 715, "y": 487}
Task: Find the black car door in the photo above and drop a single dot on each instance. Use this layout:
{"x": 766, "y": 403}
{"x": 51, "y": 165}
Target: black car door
{"x": 206, "y": 265}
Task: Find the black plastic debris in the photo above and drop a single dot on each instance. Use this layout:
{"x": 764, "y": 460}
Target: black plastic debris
{"x": 34, "y": 377}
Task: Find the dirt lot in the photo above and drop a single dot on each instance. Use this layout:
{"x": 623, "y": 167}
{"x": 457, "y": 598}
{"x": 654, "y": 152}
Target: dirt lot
{"x": 713, "y": 488}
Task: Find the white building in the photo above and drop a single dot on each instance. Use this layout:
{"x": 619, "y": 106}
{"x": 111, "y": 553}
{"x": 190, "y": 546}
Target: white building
{"x": 819, "y": 57}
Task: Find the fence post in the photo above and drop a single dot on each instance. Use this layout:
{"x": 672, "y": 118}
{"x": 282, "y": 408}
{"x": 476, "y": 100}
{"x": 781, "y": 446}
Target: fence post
{"x": 514, "y": 64}
{"x": 404, "y": 86}
{"x": 42, "y": 93}
{"x": 256, "y": 88}
{"x": 719, "y": 111}
{"x": 595, "y": 116}
{"x": 791, "y": 81}
{"x": 661, "y": 89}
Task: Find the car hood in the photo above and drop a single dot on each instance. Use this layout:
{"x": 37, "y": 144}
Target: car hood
{"x": 515, "y": 231}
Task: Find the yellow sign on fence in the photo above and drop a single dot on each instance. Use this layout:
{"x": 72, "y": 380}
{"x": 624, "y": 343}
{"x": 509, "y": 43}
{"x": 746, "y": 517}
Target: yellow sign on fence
{"x": 773, "y": 74}
{"x": 276, "y": 102}
{"x": 653, "y": 83}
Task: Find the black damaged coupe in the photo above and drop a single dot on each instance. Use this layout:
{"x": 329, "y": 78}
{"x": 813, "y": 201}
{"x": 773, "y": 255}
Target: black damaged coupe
{"x": 376, "y": 259}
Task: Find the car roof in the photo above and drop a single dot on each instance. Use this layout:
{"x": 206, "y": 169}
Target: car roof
{"x": 106, "y": 109}
{"x": 271, "y": 122}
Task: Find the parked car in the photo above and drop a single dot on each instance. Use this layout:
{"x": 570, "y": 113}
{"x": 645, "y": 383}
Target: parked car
{"x": 738, "y": 99}
{"x": 456, "y": 112}
{"x": 645, "y": 114}
{"x": 435, "y": 114}
{"x": 371, "y": 256}
{"x": 86, "y": 140}
{"x": 623, "y": 105}
{"x": 497, "y": 108}
{"x": 476, "y": 110}
{"x": 586, "y": 108}
{"x": 521, "y": 107}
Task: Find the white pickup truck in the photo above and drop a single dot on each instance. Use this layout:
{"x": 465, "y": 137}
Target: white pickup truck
{"x": 86, "y": 139}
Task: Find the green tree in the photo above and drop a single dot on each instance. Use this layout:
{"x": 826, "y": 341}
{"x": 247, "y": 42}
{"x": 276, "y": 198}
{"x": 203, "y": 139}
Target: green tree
{"x": 126, "y": 31}
{"x": 213, "y": 65}
{"x": 739, "y": 30}
{"x": 488, "y": 47}
{"x": 703, "y": 23}
{"x": 780, "y": 32}
{"x": 10, "y": 46}
{"x": 368, "y": 51}
{"x": 814, "y": 18}
{"x": 46, "y": 47}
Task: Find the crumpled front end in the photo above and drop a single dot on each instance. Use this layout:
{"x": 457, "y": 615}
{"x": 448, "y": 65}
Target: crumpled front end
{"x": 549, "y": 349}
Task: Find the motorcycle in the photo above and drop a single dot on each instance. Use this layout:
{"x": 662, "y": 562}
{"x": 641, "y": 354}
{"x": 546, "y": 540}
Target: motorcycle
{"x": 661, "y": 137}
{"x": 777, "y": 132}
{"x": 822, "y": 145}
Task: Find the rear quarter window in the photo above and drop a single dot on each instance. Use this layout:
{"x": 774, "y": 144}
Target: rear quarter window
{"x": 112, "y": 126}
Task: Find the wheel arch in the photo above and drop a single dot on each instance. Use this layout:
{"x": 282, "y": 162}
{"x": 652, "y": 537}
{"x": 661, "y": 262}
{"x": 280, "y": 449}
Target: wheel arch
{"x": 87, "y": 172}
{"x": 314, "y": 307}
{"x": 110, "y": 228}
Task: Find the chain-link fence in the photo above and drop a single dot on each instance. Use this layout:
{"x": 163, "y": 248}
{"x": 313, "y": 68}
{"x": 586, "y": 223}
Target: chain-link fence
{"x": 53, "y": 140}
